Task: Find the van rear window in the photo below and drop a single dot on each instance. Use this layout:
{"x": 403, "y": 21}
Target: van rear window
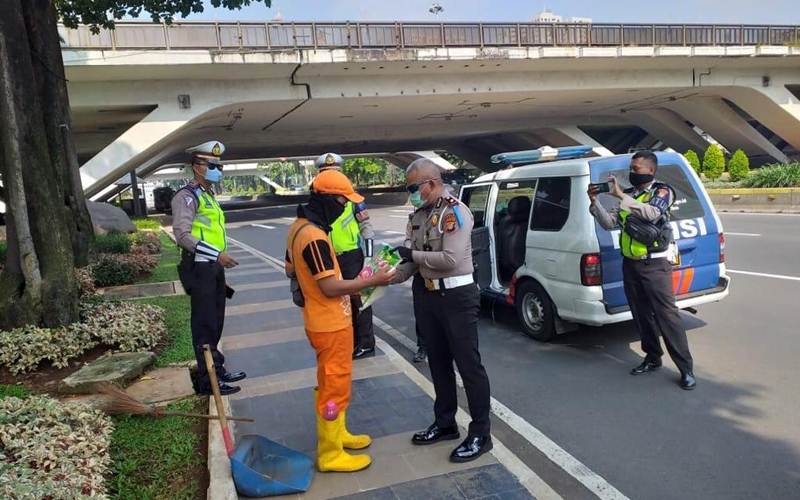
{"x": 687, "y": 205}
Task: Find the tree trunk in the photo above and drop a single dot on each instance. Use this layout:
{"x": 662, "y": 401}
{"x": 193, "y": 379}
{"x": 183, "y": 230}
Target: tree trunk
{"x": 38, "y": 285}
{"x": 51, "y": 86}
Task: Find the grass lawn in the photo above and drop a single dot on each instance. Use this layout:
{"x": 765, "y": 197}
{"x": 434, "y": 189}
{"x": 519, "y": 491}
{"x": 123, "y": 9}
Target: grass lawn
{"x": 13, "y": 391}
{"x": 167, "y": 269}
{"x": 177, "y": 314}
{"x": 160, "y": 458}
{"x": 146, "y": 223}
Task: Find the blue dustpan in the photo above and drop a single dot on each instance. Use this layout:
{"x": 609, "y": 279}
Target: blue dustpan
{"x": 262, "y": 468}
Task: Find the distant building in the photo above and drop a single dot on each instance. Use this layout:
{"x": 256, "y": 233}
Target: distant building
{"x": 547, "y": 16}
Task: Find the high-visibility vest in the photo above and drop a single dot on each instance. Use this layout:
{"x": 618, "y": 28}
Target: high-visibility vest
{"x": 209, "y": 220}
{"x": 345, "y": 231}
{"x": 631, "y": 248}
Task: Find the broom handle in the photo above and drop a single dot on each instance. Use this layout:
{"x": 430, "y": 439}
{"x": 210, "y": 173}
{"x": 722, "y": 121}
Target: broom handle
{"x": 223, "y": 422}
{"x": 207, "y": 417}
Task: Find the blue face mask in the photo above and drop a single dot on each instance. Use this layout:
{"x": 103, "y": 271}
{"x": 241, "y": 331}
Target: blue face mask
{"x": 213, "y": 175}
{"x": 416, "y": 200}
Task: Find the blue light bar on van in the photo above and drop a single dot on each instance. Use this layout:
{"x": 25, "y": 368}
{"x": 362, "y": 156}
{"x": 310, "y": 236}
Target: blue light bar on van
{"x": 545, "y": 153}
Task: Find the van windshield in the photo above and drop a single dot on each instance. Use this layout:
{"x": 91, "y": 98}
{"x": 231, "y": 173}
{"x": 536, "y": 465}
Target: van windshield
{"x": 687, "y": 205}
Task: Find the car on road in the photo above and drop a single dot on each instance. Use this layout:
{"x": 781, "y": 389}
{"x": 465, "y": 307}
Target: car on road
{"x": 537, "y": 247}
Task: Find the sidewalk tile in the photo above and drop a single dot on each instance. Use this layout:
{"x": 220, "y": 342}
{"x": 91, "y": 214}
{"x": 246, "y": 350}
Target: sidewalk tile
{"x": 271, "y": 359}
{"x": 438, "y": 487}
{"x": 483, "y": 481}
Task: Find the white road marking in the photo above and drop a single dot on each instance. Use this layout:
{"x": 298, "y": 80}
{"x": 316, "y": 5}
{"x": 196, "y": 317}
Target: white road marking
{"x": 534, "y": 436}
{"x": 395, "y": 232}
{"x": 289, "y": 218}
{"x": 399, "y": 216}
{"x": 400, "y": 211}
{"x": 742, "y": 234}
{"x": 264, "y": 226}
{"x": 766, "y": 275}
{"x": 758, "y": 213}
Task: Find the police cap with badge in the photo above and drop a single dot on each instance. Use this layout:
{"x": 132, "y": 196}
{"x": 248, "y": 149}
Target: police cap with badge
{"x": 328, "y": 160}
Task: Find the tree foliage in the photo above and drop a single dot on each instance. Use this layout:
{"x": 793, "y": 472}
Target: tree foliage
{"x": 713, "y": 162}
{"x": 103, "y": 13}
{"x": 739, "y": 166}
{"x": 693, "y": 160}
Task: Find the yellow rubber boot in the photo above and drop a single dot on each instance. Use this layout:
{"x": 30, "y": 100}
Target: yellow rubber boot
{"x": 331, "y": 456}
{"x": 349, "y": 441}
{"x": 353, "y": 441}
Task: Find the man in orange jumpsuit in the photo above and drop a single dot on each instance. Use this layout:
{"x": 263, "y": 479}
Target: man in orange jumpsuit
{"x": 328, "y": 317}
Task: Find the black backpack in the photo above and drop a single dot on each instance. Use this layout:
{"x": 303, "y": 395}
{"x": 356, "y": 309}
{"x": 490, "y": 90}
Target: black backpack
{"x": 294, "y": 285}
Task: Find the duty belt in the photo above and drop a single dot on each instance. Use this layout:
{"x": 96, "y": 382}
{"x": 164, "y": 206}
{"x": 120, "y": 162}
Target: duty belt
{"x": 448, "y": 283}
{"x": 657, "y": 255}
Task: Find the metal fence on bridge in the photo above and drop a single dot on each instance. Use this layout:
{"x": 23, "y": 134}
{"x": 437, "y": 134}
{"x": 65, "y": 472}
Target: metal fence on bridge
{"x": 255, "y": 36}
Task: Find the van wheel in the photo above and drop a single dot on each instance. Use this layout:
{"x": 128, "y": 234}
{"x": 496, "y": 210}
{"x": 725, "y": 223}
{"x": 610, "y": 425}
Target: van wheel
{"x": 535, "y": 312}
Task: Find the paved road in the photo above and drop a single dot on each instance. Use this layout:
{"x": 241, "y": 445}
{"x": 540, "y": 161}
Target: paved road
{"x": 736, "y": 436}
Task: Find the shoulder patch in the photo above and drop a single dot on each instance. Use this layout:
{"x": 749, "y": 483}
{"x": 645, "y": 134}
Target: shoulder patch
{"x": 189, "y": 200}
{"x": 362, "y": 215}
{"x": 450, "y": 222}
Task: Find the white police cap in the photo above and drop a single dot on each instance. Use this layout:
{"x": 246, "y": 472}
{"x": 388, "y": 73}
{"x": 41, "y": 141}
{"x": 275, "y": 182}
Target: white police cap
{"x": 210, "y": 148}
{"x": 328, "y": 160}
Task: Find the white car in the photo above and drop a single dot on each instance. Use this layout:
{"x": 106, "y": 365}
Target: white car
{"x": 537, "y": 247}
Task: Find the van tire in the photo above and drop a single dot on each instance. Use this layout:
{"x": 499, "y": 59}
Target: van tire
{"x": 535, "y": 311}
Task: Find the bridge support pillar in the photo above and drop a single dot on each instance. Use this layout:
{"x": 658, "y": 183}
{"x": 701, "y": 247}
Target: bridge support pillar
{"x": 669, "y": 128}
{"x": 134, "y": 147}
{"x": 728, "y": 127}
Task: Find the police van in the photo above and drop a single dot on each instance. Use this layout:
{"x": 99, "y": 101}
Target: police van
{"x": 537, "y": 247}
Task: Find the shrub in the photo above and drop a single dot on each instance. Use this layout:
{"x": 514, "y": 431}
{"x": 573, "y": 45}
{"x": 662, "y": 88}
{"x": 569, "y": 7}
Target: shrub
{"x": 22, "y": 349}
{"x": 145, "y": 242}
{"x": 112, "y": 243}
{"x": 122, "y": 326}
{"x": 693, "y": 160}
{"x": 52, "y": 450}
{"x": 109, "y": 271}
{"x": 146, "y": 223}
{"x": 713, "y": 162}
{"x": 739, "y": 166}
{"x": 126, "y": 326}
{"x": 774, "y": 176}
{"x": 85, "y": 282}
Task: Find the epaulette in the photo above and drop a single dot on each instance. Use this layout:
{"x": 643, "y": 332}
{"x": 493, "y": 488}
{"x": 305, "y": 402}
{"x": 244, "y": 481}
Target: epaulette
{"x": 629, "y": 190}
{"x": 451, "y": 200}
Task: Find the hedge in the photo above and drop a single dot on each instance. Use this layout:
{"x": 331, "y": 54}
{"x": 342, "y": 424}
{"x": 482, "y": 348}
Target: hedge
{"x": 693, "y": 160}
{"x": 713, "y": 162}
{"x": 739, "y": 166}
{"x": 774, "y": 176}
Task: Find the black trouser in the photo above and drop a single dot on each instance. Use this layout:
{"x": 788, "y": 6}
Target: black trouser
{"x": 448, "y": 321}
{"x": 417, "y": 289}
{"x": 205, "y": 284}
{"x": 648, "y": 287}
{"x": 351, "y": 263}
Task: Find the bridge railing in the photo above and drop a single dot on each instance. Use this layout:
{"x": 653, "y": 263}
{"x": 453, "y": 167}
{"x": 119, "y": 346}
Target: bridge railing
{"x": 249, "y": 35}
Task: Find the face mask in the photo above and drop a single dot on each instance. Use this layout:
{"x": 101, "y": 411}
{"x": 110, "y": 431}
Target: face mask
{"x": 326, "y": 207}
{"x": 214, "y": 175}
{"x": 640, "y": 179}
{"x": 416, "y": 200}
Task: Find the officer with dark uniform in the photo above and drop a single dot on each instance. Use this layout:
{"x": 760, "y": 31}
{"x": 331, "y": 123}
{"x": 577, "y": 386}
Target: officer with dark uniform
{"x": 199, "y": 227}
{"x": 352, "y": 237}
{"x": 441, "y": 251}
{"x": 647, "y": 271}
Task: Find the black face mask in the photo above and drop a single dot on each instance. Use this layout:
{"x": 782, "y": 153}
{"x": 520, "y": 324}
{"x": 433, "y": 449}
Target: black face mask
{"x": 326, "y": 208}
{"x": 639, "y": 179}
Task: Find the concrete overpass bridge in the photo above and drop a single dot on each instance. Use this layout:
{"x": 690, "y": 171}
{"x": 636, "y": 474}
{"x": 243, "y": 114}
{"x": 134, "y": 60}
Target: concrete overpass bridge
{"x": 143, "y": 93}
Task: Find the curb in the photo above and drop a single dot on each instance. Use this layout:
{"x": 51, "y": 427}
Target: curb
{"x": 220, "y": 480}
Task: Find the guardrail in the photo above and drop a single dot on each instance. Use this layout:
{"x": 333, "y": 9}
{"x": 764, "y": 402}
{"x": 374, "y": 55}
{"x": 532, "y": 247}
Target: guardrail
{"x": 312, "y": 35}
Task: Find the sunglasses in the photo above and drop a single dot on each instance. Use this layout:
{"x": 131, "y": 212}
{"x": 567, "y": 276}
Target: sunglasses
{"x": 211, "y": 164}
{"x": 413, "y": 188}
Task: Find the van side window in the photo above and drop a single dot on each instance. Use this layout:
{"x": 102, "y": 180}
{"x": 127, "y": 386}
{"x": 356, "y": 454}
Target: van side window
{"x": 551, "y": 204}
{"x": 507, "y": 192}
{"x": 476, "y": 198}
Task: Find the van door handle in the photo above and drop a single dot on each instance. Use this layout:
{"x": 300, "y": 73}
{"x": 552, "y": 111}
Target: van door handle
{"x": 689, "y": 245}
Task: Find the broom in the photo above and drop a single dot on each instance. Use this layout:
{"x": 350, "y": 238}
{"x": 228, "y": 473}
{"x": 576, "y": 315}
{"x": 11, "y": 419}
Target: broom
{"x": 119, "y": 402}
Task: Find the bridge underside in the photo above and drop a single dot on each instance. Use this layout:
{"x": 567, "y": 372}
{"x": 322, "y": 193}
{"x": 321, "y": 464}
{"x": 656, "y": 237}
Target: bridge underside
{"x": 132, "y": 112}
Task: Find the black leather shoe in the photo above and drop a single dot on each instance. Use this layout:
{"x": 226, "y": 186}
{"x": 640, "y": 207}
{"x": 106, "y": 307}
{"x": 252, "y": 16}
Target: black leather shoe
{"x": 224, "y": 390}
{"x": 471, "y": 448}
{"x": 647, "y": 366}
{"x": 229, "y": 377}
{"x": 687, "y": 381}
{"x": 420, "y": 356}
{"x": 435, "y": 433}
{"x": 363, "y": 352}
